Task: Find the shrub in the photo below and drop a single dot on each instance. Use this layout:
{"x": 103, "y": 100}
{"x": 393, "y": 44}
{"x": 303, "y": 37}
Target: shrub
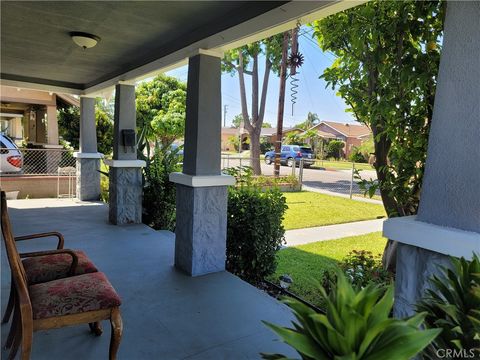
{"x": 357, "y": 325}
{"x": 265, "y": 146}
{"x": 254, "y": 232}
{"x": 159, "y": 194}
{"x": 453, "y": 304}
{"x": 334, "y": 148}
{"x": 357, "y": 156}
{"x": 360, "y": 268}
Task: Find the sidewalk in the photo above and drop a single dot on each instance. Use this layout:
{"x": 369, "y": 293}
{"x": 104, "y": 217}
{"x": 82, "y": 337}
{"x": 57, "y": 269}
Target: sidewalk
{"x": 330, "y": 232}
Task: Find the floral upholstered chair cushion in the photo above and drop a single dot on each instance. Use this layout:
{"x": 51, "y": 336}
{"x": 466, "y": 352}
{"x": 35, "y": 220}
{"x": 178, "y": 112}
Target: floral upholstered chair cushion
{"x": 72, "y": 295}
{"x": 41, "y": 269}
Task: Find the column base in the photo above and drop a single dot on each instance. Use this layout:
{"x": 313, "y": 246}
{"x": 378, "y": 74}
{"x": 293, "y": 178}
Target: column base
{"x": 88, "y": 179}
{"x": 201, "y": 230}
{"x": 415, "y": 266}
{"x": 125, "y": 198}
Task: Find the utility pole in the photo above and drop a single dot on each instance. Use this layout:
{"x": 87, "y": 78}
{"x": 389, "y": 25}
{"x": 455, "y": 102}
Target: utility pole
{"x": 281, "y": 103}
{"x": 225, "y": 107}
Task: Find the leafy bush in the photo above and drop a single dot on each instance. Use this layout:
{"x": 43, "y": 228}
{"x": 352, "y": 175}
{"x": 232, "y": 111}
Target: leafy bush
{"x": 254, "y": 232}
{"x": 453, "y": 304}
{"x": 334, "y": 148}
{"x": 244, "y": 177}
{"x": 356, "y": 326}
{"x": 357, "y": 156}
{"x": 360, "y": 268}
{"x": 265, "y": 146}
{"x": 159, "y": 194}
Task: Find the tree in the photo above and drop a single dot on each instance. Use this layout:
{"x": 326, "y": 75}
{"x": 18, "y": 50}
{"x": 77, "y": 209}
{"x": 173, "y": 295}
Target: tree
{"x": 311, "y": 120}
{"x": 387, "y": 61}
{"x": 237, "y": 120}
{"x": 161, "y": 105}
{"x": 245, "y": 61}
{"x": 69, "y": 126}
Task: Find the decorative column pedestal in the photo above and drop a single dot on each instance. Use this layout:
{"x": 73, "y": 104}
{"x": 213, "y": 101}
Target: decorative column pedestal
{"x": 448, "y": 220}
{"x": 200, "y": 233}
{"x": 88, "y": 176}
{"x": 125, "y": 191}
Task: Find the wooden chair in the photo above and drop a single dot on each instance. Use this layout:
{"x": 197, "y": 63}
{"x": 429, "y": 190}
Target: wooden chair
{"x": 43, "y": 266}
{"x": 87, "y": 298}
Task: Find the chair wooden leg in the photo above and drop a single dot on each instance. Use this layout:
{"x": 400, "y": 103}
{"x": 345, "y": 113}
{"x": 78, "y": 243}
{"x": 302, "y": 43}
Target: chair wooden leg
{"x": 11, "y": 301}
{"x": 27, "y": 338}
{"x": 96, "y": 328}
{"x": 116, "y": 334}
{"x": 14, "y": 328}
{"x": 15, "y": 335}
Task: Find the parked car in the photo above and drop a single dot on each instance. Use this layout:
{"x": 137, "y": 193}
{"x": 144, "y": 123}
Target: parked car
{"x": 11, "y": 160}
{"x": 292, "y": 154}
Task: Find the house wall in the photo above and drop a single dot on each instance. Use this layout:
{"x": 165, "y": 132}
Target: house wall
{"x": 350, "y": 143}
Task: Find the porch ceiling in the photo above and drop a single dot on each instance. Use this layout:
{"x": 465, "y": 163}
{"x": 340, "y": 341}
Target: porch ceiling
{"x": 36, "y": 45}
{"x": 138, "y": 39}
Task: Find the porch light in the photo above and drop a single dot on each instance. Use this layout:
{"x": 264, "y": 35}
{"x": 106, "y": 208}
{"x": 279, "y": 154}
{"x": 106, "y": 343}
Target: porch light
{"x": 84, "y": 40}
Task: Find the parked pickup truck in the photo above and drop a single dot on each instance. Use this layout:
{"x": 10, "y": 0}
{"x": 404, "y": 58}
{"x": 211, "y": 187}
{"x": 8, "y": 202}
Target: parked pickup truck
{"x": 292, "y": 154}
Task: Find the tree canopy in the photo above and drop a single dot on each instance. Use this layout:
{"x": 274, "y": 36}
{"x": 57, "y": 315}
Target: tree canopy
{"x": 387, "y": 58}
{"x": 161, "y": 106}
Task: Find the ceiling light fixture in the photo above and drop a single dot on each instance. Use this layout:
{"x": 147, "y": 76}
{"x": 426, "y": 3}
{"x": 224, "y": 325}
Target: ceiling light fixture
{"x": 84, "y": 40}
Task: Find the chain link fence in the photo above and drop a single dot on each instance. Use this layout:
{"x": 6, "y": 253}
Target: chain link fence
{"x": 38, "y": 173}
{"x": 329, "y": 176}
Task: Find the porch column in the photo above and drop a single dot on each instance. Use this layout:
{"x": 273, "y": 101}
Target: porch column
{"x": 200, "y": 235}
{"x": 52, "y": 125}
{"x": 448, "y": 220}
{"x": 88, "y": 159}
{"x": 125, "y": 198}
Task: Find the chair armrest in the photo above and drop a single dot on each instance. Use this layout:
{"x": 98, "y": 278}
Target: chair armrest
{"x": 43, "y": 235}
{"x": 74, "y": 256}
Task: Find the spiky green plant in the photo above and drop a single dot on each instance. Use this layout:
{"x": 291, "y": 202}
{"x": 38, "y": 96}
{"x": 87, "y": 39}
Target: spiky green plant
{"x": 356, "y": 326}
{"x": 453, "y": 304}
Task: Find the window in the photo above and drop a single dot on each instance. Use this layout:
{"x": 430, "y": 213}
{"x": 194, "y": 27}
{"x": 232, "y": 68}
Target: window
{"x": 286, "y": 148}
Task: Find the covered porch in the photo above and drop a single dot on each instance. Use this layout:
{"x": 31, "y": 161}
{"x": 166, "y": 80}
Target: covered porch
{"x": 166, "y": 313}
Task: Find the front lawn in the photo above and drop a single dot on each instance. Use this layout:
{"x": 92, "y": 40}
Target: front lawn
{"x": 306, "y": 263}
{"x": 309, "y": 209}
{"x": 341, "y": 165}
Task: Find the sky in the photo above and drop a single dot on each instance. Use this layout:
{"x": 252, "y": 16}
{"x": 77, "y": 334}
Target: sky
{"x": 312, "y": 95}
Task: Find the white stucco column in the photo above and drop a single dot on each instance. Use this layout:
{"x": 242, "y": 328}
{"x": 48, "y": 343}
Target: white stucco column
{"x": 200, "y": 233}
{"x": 125, "y": 175}
{"x": 52, "y": 125}
{"x": 88, "y": 159}
{"x": 448, "y": 221}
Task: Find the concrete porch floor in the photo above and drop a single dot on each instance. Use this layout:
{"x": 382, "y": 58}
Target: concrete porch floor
{"x": 166, "y": 314}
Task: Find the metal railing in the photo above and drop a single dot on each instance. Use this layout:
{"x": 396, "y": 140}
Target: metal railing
{"x": 38, "y": 162}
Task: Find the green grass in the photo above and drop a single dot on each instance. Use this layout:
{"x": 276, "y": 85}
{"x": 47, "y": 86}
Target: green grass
{"x": 341, "y": 165}
{"x": 307, "y": 263}
{"x": 309, "y": 209}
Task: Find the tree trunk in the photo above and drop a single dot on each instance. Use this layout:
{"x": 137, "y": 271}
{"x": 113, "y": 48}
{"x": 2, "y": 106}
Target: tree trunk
{"x": 255, "y": 151}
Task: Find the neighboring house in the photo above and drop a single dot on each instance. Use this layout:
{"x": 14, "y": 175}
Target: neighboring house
{"x": 31, "y": 115}
{"x": 268, "y": 134}
{"x": 351, "y": 134}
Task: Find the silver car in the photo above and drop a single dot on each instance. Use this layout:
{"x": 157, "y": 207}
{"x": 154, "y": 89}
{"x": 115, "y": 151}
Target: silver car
{"x": 11, "y": 159}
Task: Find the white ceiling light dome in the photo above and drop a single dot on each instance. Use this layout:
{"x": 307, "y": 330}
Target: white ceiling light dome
{"x": 84, "y": 40}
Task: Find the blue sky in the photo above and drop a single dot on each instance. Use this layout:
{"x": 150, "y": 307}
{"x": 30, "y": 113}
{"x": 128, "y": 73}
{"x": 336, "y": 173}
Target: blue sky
{"x": 312, "y": 95}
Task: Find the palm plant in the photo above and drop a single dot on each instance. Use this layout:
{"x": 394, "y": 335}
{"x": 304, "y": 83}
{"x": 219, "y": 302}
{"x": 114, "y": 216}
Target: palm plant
{"x": 453, "y": 304}
{"x": 356, "y": 326}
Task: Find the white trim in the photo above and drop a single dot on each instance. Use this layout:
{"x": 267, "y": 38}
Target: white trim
{"x": 201, "y": 181}
{"x": 442, "y": 239}
{"x": 124, "y": 163}
{"x": 84, "y": 155}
